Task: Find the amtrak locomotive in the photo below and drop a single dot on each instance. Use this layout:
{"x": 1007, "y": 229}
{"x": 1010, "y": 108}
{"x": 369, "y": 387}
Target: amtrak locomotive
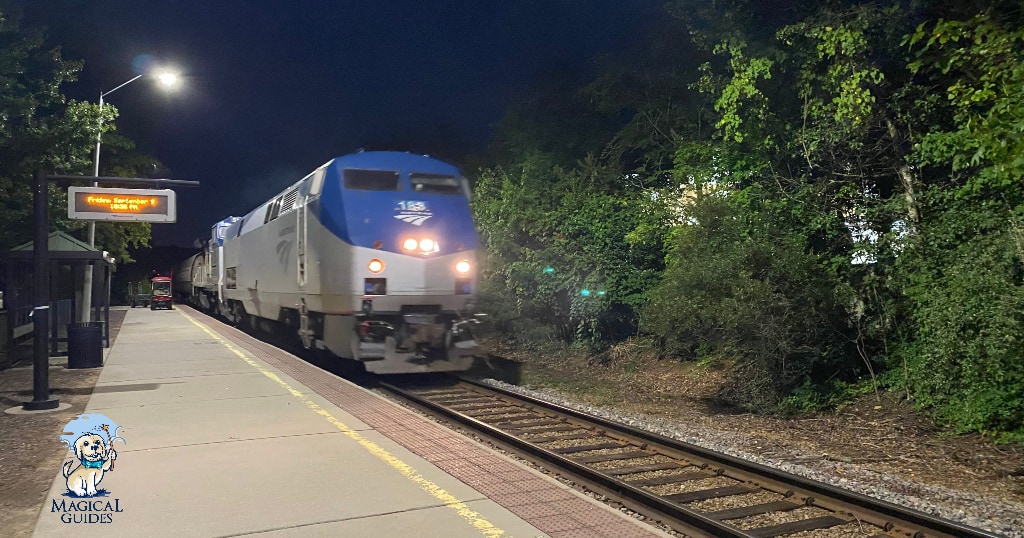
{"x": 371, "y": 257}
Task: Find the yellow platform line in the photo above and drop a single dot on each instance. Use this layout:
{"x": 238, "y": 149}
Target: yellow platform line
{"x": 473, "y": 518}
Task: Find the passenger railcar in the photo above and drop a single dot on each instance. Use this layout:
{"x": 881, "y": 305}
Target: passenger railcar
{"x": 372, "y": 257}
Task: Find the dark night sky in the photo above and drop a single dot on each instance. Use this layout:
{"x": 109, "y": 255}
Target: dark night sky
{"x": 274, "y": 88}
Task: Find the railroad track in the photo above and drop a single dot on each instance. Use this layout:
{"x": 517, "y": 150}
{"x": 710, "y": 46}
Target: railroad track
{"x": 695, "y": 491}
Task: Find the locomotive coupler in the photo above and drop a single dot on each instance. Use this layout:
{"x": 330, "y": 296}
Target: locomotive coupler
{"x": 420, "y": 331}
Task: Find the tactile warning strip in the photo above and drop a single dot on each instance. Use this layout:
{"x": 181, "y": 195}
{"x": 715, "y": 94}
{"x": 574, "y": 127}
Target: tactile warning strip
{"x": 540, "y": 502}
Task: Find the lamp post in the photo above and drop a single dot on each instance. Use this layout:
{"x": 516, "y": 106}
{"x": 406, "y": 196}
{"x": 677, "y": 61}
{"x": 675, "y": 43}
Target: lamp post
{"x": 166, "y": 79}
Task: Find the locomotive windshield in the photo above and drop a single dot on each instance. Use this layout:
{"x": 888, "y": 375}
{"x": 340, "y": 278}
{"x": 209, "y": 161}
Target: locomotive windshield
{"x": 371, "y": 180}
{"x": 436, "y": 183}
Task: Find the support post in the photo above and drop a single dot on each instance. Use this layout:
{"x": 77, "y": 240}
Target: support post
{"x": 41, "y": 297}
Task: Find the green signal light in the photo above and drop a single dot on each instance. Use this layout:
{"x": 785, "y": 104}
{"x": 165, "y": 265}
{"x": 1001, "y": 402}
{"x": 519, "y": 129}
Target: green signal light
{"x": 585, "y": 293}
{"x": 549, "y": 269}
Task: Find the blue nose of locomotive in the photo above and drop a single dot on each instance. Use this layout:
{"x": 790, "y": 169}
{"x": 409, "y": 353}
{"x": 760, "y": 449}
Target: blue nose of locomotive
{"x": 384, "y": 200}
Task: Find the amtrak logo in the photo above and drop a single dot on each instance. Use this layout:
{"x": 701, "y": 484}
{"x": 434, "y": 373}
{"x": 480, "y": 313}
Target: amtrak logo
{"x": 415, "y": 212}
{"x": 284, "y": 251}
{"x": 416, "y": 219}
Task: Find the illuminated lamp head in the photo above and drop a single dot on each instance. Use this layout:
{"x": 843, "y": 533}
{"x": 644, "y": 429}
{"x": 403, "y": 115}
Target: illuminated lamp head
{"x": 463, "y": 266}
{"x": 375, "y": 266}
{"x": 168, "y": 79}
{"x": 425, "y": 245}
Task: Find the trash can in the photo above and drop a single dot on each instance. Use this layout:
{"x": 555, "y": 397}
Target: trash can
{"x": 85, "y": 345}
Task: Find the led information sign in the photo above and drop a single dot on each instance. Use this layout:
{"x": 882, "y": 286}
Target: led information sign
{"x": 122, "y": 205}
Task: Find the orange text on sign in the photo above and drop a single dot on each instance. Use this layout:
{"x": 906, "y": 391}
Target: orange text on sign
{"x": 122, "y": 203}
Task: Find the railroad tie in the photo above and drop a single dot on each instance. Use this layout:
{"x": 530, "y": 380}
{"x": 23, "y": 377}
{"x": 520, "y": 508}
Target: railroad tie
{"x": 612, "y": 457}
{"x": 713, "y": 493}
{"x": 753, "y": 510}
{"x": 586, "y": 448}
{"x": 811, "y": 524}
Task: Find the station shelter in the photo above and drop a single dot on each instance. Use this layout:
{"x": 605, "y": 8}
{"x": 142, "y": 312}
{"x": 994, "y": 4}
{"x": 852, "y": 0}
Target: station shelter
{"x": 68, "y": 258}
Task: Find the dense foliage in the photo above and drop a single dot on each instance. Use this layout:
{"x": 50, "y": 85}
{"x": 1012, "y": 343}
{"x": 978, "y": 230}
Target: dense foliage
{"x": 828, "y": 198}
{"x": 42, "y": 130}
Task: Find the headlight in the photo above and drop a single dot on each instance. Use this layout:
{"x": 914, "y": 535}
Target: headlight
{"x": 423, "y": 245}
{"x": 463, "y": 266}
{"x": 375, "y": 266}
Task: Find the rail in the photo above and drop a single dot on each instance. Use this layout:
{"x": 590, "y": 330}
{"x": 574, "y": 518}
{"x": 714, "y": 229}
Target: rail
{"x": 694, "y": 490}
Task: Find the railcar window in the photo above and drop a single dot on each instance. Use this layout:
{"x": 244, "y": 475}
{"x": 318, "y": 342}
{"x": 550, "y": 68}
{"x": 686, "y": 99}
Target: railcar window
{"x": 371, "y": 180}
{"x": 437, "y": 183}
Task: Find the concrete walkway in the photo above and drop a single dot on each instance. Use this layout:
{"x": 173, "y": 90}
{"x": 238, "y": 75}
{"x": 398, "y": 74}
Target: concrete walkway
{"x": 219, "y": 443}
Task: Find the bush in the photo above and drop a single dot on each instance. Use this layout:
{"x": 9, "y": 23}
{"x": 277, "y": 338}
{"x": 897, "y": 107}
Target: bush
{"x": 966, "y": 360}
{"x": 740, "y": 288}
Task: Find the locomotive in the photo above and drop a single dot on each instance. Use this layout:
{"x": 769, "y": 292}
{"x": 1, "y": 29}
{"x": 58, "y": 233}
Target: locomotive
{"x": 371, "y": 257}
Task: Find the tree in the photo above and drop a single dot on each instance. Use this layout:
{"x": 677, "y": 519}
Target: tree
{"x": 32, "y": 120}
{"x": 965, "y": 273}
{"x": 41, "y": 130}
{"x": 832, "y": 202}
{"x": 898, "y": 157}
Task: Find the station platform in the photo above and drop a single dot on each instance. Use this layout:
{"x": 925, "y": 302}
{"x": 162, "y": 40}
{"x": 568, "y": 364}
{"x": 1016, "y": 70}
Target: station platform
{"x": 224, "y": 435}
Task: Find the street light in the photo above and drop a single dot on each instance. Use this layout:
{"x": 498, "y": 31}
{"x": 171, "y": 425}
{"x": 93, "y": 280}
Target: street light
{"x": 167, "y": 79}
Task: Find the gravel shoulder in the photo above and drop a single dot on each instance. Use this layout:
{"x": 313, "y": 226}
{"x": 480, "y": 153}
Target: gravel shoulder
{"x": 879, "y": 445}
